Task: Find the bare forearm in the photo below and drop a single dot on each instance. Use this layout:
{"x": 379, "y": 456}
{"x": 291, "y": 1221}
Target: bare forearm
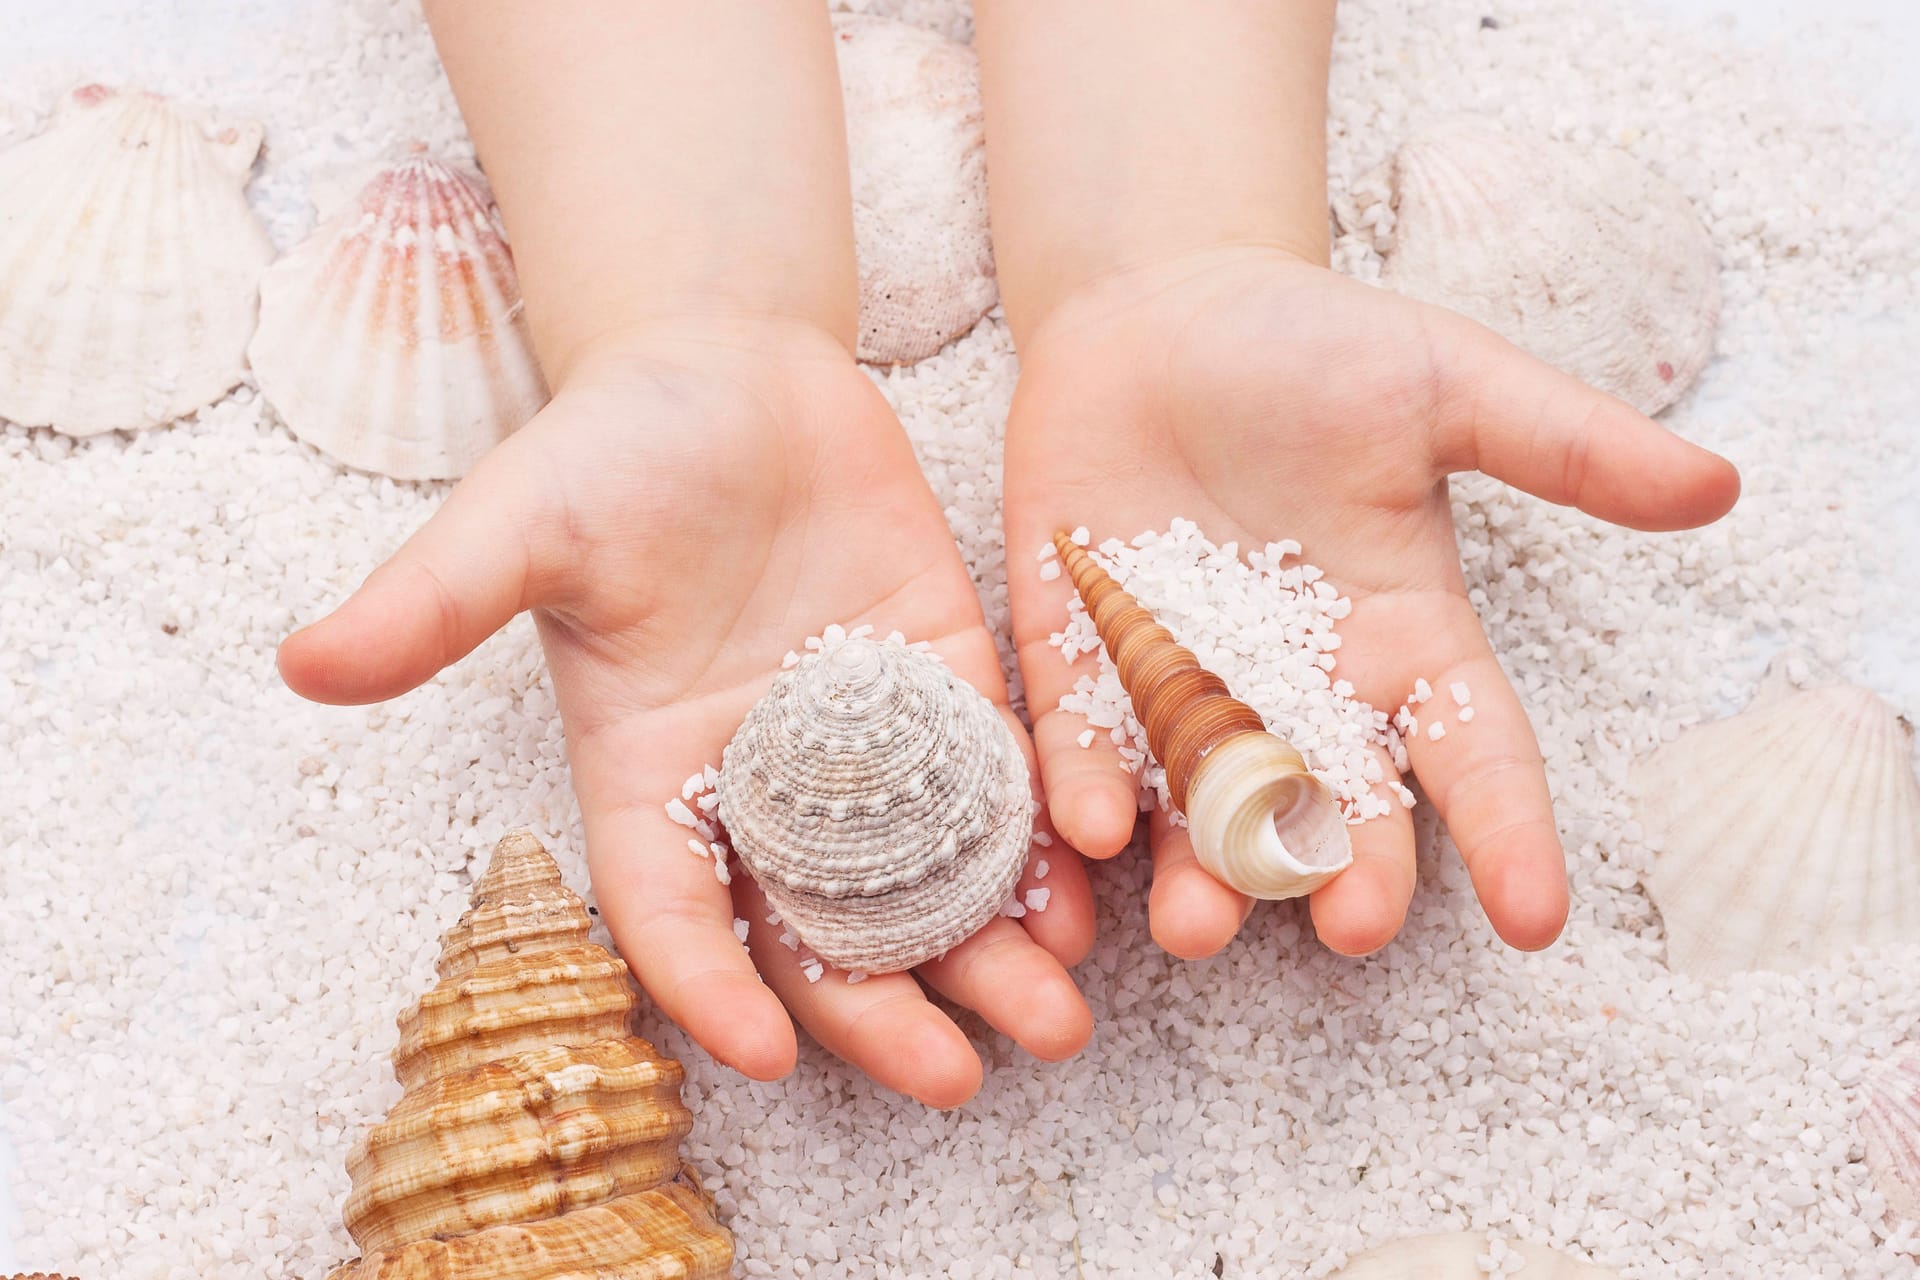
{"x": 1124, "y": 132}
{"x": 659, "y": 159}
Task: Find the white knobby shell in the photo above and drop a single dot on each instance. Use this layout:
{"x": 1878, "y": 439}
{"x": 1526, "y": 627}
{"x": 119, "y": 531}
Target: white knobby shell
{"x": 1586, "y": 258}
{"x": 128, "y": 262}
{"x": 1458, "y": 1257}
{"x": 1787, "y": 834}
{"x": 1890, "y": 1132}
{"x": 881, "y": 802}
{"x": 392, "y": 338}
{"x": 1262, "y": 823}
{"x": 916, "y": 149}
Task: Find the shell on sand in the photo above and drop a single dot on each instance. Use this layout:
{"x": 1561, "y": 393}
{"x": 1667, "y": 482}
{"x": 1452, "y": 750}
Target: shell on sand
{"x": 392, "y": 338}
{"x": 1786, "y": 834}
{"x": 128, "y": 262}
{"x": 536, "y": 1138}
{"x": 881, "y": 803}
{"x": 916, "y": 149}
{"x": 1890, "y": 1132}
{"x": 1456, "y": 1257}
{"x": 1585, "y": 258}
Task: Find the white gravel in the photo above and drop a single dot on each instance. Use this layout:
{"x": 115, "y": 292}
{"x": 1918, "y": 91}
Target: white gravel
{"x": 214, "y": 898}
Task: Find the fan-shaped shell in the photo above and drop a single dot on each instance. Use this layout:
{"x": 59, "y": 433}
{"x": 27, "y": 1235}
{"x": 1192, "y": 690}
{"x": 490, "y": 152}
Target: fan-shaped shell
{"x": 1585, "y": 258}
{"x": 916, "y": 149}
{"x": 1786, "y": 834}
{"x": 1457, "y": 1257}
{"x": 392, "y": 337}
{"x": 536, "y": 1138}
{"x": 128, "y": 262}
{"x": 882, "y": 804}
{"x": 1890, "y": 1131}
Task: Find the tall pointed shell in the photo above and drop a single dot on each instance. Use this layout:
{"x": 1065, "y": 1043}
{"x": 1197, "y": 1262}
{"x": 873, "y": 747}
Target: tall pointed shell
{"x": 1457, "y": 1257}
{"x": 392, "y": 337}
{"x": 916, "y": 149}
{"x": 536, "y": 1139}
{"x": 1261, "y": 822}
{"x": 128, "y": 262}
{"x": 881, "y": 803}
{"x": 1585, "y": 258}
{"x": 1786, "y": 834}
{"x": 1890, "y": 1131}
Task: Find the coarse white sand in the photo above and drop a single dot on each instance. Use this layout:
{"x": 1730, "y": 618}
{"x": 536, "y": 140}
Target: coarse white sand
{"x": 214, "y": 897}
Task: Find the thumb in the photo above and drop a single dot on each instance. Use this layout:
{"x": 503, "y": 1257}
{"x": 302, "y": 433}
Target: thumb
{"x": 1523, "y": 421}
{"x": 486, "y": 555}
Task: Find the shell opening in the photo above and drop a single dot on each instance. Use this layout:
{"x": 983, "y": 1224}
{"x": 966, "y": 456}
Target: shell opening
{"x": 1294, "y": 834}
{"x": 1262, "y": 823}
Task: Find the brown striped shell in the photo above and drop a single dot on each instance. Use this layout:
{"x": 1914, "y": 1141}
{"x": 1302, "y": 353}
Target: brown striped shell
{"x": 537, "y": 1139}
{"x": 1261, "y": 822}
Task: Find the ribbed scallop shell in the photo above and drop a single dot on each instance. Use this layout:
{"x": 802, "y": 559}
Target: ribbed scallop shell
{"x": 1787, "y": 834}
{"x": 1456, "y": 1257}
{"x": 536, "y": 1138}
{"x": 916, "y": 148}
{"x": 881, "y": 803}
{"x": 392, "y": 337}
{"x": 1890, "y": 1131}
{"x": 128, "y": 263}
{"x": 1585, "y": 258}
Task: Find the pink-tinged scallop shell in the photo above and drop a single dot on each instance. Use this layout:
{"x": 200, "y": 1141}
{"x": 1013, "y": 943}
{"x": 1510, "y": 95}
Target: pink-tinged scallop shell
{"x": 128, "y": 262}
{"x": 1458, "y": 1257}
{"x": 392, "y": 337}
{"x": 1585, "y": 258}
{"x": 1890, "y": 1131}
{"x": 917, "y": 154}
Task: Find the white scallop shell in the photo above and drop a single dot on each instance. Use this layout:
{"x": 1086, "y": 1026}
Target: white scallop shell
{"x": 1457, "y": 1257}
{"x": 1890, "y": 1131}
{"x": 392, "y": 337}
{"x": 1787, "y": 834}
{"x": 128, "y": 262}
{"x": 1585, "y": 258}
{"x": 916, "y": 149}
{"x": 882, "y": 804}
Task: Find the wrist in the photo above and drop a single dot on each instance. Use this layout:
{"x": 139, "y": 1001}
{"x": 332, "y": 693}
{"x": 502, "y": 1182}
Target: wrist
{"x": 710, "y": 334}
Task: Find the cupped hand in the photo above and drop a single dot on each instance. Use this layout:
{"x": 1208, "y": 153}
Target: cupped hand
{"x": 693, "y": 504}
{"x": 1267, "y": 398}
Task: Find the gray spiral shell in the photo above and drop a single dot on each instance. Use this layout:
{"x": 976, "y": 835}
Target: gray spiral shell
{"x": 882, "y": 804}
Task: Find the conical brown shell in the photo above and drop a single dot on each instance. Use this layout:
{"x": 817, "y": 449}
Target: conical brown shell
{"x": 536, "y": 1139}
{"x": 1185, "y": 709}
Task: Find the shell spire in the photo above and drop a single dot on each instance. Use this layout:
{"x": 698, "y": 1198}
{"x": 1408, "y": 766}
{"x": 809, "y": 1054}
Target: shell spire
{"x": 536, "y": 1139}
{"x": 1262, "y": 823}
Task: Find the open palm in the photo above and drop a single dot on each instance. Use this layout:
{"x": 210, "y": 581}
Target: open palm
{"x": 686, "y": 511}
{"x": 1268, "y": 398}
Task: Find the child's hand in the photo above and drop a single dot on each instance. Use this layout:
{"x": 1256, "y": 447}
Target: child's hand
{"x": 699, "y": 498}
{"x": 1268, "y": 398}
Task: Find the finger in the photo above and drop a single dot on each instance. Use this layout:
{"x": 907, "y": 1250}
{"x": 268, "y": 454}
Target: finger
{"x": 882, "y": 1025}
{"x": 1360, "y": 910}
{"x": 1525, "y": 422}
{"x": 1189, "y": 913}
{"x": 1092, "y": 795}
{"x": 669, "y": 914}
{"x": 1020, "y": 990}
{"x": 483, "y": 557}
{"x": 1054, "y": 877}
{"x": 1487, "y": 779}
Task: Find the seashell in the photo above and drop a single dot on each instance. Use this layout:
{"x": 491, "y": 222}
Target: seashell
{"x": 36, "y": 1275}
{"x": 536, "y": 1138}
{"x": 881, "y": 803}
{"x": 916, "y": 151}
{"x": 392, "y": 337}
{"x": 1890, "y": 1131}
{"x": 1788, "y": 833}
{"x": 128, "y": 261}
{"x": 1261, "y": 822}
{"x": 1585, "y": 258}
{"x": 1457, "y": 1257}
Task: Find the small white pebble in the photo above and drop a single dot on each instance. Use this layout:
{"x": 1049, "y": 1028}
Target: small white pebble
{"x": 720, "y": 871}
{"x": 1036, "y": 899}
{"x": 1421, "y": 692}
{"x": 855, "y": 978}
{"x": 1466, "y": 714}
{"x": 717, "y": 849}
{"x": 1461, "y": 694}
{"x": 1042, "y": 839}
{"x": 740, "y": 928}
{"x": 698, "y": 846}
{"x": 678, "y": 811}
{"x": 1436, "y": 731}
{"x": 1080, "y": 537}
{"x": 1040, "y": 869}
{"x": 1086, "y": 738}
{"x": 693, "y": 786}
{"x": 813, "y": 969}
{"x": 1049, "y": 571}
{"x": 1048, "y": 552}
